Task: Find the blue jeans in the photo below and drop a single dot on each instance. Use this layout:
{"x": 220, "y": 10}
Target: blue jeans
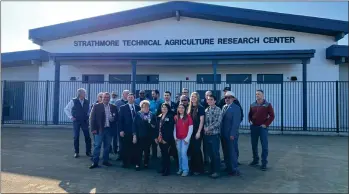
{"x": 84, "y": 126}
{"x": 182, "y": 155}
{"x": 262, "y": 133}
{"x": 105, "y": 138}
{"x": 212, "y": 145}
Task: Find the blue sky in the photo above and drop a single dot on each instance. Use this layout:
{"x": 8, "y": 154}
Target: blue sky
{"x": 18, "y": 17}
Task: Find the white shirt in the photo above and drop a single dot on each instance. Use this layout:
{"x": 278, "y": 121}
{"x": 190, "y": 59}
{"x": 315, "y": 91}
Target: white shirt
{"x": 69, "y": 107}
{"x": 107, "y": 115}
{"x": 132, "y": 107}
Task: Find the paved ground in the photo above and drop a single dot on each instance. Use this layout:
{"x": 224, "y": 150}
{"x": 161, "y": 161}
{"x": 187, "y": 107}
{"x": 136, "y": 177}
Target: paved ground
{"x": 40, "y": 160}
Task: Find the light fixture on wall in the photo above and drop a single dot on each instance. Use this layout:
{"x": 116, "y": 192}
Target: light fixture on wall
{"x": 293, "y": 78}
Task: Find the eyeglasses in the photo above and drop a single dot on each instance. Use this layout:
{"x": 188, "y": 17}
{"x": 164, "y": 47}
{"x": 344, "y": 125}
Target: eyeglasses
{"x": 99, "y": 96}
{"x": 141, "y": 93}
{"x": 184, "y": 100}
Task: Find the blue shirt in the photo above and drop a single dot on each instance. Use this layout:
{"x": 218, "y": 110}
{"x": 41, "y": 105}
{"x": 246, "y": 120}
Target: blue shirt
{"x": 155, "y": 104}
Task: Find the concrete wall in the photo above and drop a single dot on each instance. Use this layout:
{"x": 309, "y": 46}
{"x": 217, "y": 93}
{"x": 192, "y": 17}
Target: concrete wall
{"x": 20, "y": 73}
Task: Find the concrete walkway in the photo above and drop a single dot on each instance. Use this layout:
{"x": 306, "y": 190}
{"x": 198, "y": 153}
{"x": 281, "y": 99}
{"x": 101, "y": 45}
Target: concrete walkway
{"x": 41, "y": 161}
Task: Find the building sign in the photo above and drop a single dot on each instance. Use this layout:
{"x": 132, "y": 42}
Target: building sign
{"x": 191, "y": 42}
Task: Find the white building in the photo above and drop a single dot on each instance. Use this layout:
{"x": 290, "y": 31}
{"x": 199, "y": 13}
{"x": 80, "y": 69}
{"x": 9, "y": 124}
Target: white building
{"x": 185, "y": 44}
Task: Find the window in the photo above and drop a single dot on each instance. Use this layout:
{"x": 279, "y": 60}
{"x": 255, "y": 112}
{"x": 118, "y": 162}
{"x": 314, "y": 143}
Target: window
{"x": 148, "y": 79}
{"x": 239, "y": 78}
{"x": 92, "y": 78}
{"x": 119, "y": 78}
{"x": 270, "y": 78}
{"x": 207, "y": 78}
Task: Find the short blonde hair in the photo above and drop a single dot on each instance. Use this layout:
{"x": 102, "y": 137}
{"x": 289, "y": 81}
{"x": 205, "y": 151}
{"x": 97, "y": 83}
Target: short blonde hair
{"x": 144, "y": 102}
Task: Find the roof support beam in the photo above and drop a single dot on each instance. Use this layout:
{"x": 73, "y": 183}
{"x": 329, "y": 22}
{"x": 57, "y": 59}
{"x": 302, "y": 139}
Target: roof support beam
{"x": 339, "y": 36}
{"x": 178, "y": 16}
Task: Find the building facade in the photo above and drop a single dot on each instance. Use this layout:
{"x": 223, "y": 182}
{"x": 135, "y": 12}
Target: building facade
{"x": 198, "y": 46}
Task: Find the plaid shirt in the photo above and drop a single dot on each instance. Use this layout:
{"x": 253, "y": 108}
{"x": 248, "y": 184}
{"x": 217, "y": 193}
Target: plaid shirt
{"x": 107, "y": 115}
{"x": 213, "y": 120}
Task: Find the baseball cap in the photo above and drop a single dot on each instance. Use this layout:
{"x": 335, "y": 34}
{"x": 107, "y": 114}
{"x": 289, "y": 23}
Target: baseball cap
{"x": 226, "y": 89}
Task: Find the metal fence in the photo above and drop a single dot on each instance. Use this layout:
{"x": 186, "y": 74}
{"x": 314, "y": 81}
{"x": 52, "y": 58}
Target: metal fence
{"x": 32, "y": 102}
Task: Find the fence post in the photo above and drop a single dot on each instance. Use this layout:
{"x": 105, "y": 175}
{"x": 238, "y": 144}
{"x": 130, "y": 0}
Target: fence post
{"x": 180, "y": 87}
{"x": 46, "y": 101}
{"x": 282, "y": 107}
{"x": 3, "y": 103}
{"x": 89, "y": 92}
{"x": 337, "y": 106}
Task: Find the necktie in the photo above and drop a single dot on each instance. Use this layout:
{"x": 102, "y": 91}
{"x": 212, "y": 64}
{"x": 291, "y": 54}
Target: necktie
{"x": 133, "y": 112}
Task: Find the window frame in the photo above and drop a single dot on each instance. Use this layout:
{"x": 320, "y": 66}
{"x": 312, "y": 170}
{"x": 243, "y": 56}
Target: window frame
{"x": 120, "y": 82}
{"x": 269, "y": 82}
{"x": 219, "y": 78}
{"x": 94, "y": 82}
{"x": 233, "y": 82}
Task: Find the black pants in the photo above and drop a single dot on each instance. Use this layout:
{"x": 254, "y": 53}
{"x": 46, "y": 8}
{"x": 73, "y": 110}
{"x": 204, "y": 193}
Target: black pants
{"x": 212, "y": 144}
{"x": 128, "y": 149}
{"x": 84, "y": 127}
{"x": 165, "y": 156}
{"x": 174, "y": 152}
{"x": 196, "y": 163}
{"x": 143, "y": 146}
{"x": 154, "y": 149}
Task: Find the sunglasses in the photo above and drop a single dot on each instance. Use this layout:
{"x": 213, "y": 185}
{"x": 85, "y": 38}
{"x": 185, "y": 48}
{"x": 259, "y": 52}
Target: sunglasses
{"x": 184, "y": 100}
{"x": 228, "y": 97}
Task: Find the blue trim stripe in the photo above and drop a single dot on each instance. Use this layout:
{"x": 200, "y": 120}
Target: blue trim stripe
{"x": 279, "y": 54}
{"x": 335, "y": 28}
{"x": 21, "y": 56}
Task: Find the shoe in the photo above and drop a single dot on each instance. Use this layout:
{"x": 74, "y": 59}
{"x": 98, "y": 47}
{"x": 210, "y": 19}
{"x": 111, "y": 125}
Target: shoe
{"x": 254, "y": 163}
{"x": 107, "y": 164}
{"x": 146, "y": 166}
{"x": 179, "y": 172}
{"x": 138, "y": 168}
{"x": 76, "y": 155}
{"x": 166, "y": 173}
{"x": 214, "y": 175}
{"x": 264, "y": 167}
{"x": 161, "y": 171}
{"x": 235, "y": 173}
{"x": 184, "y": 174}
{"x": 88, "y": 154}
{"x": 118, "y": 158}
{"x": 94, "y": 165}
{"x": 197, "y": 173}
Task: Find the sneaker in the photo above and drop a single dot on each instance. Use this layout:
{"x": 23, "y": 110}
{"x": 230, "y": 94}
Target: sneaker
{"x": 184, "y": 174}
{"x": 179, "y": 172}
{"x": 254, "y": 163}
{"x": 264, "y": 167}
{"x": 214, "y": 175}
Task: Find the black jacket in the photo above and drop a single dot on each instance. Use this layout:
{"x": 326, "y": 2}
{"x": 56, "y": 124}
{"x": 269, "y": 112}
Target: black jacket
{"x": 80, "y": 113}
{"x": 142, "y": 125}
{"x": 166, "y": 128}
{"x": 125, "y": 118}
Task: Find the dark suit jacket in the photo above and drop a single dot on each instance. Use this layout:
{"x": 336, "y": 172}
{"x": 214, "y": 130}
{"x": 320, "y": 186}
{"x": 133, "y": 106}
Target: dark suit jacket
{"x": 125, "y": 118}
{"x": 231, "y": 119}
{"x": 97, "y": 118}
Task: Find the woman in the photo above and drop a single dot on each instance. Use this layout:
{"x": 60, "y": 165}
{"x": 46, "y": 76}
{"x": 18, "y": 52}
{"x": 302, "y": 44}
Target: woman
{"x": 182, "y": 133}
{"x": 197, "y": 113}
{"x": 143, "y": 133}
{"x": 165, "y": 126}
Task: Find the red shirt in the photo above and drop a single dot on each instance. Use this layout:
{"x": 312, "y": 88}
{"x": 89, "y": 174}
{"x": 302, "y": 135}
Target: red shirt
{"x": 182, "y": 126}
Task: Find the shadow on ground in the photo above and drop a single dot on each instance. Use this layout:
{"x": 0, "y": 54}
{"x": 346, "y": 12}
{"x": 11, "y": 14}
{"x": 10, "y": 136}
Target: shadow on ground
{"x": 41, "y": 160}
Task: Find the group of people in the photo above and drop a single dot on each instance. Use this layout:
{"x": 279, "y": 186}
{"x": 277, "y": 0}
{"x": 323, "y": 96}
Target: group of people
{"x": 132, "y": 127}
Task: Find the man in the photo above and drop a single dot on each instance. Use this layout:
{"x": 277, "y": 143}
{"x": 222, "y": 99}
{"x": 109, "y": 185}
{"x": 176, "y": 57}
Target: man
{"x": 221, "y": 103}
{"x": 155, "y": 102}
{"x": 103, "y": 121}
{"x": 178, "y": 95}
{"x": 184, "y": 100}
{"x": 116, "y": 138}
{"x": 167, "y": 98}
{"x": 113, "y": 98}
{"x": 123, "y": 100}
{"x": 185, "y": 91}
{"x": 127, "y": 114}
{"x": 78, "y": 111}
{"x": 261, "y": 115}
{"x": 141, "y": 97}
{"x": 211, "y": 134}
{"x": 204, "y": 101}
{"x": 231, "y": 118}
